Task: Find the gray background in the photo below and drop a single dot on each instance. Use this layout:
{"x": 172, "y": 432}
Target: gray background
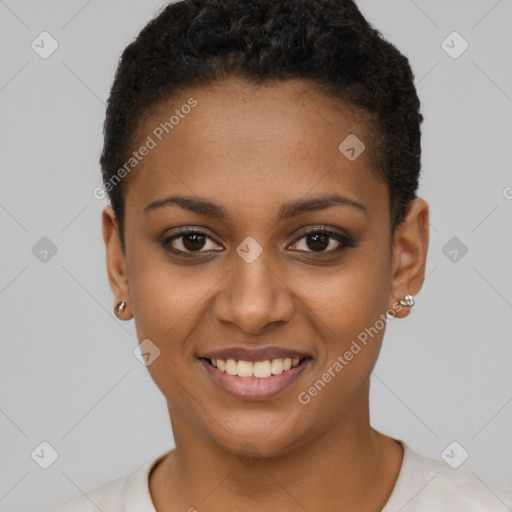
{"x": 68, "y": 375}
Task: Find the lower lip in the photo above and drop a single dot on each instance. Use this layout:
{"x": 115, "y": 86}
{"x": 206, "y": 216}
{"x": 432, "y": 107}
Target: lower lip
{"x": 254, "y": 388}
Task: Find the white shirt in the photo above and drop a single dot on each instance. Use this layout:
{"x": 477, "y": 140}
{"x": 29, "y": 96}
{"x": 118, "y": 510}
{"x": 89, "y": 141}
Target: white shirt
{"x": 423, "y": 485}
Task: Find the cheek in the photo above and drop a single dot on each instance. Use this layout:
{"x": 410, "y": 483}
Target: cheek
{"x": 344, "y": 367}
{"x": 169, "y": 304}
{"x": 165, "y": 297}
{"x": 350, "y": 311}
{"x": 352, "y": 296}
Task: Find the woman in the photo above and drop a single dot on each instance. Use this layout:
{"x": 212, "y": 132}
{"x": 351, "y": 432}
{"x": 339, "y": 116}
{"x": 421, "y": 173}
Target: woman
{"x": 262, "y": 160}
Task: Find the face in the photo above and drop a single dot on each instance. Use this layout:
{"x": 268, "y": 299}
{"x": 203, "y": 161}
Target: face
{"x": 286, "y": 259}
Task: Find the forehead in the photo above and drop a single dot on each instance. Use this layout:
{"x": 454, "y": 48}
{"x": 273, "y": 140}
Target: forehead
{"x": 278, "y": 112}
{"x": 267, "y": 142}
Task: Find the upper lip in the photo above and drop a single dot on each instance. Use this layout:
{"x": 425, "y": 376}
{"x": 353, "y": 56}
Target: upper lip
{"x": 254, "y": 354}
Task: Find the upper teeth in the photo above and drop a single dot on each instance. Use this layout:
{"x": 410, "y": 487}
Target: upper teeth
{"x": 259, "y": 369}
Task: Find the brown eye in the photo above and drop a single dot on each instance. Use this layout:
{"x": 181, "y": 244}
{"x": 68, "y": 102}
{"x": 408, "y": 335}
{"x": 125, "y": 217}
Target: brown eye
{"x": 189, "y": 241}
{"x": 323, "y": 241}
{"x": 318, "y": 241}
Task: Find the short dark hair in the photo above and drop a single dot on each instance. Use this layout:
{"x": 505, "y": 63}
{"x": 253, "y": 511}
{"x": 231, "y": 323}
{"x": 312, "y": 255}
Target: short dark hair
{"x": 196, "y": 42}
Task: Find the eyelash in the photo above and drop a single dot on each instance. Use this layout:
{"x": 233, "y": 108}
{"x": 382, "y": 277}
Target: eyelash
{"x": 344, "y": 241}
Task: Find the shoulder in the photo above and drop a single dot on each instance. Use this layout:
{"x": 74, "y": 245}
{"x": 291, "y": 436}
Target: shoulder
{"x": 425, "y": 484}
{"x": 107, "y": 498}
{"x": 128, "y": 493}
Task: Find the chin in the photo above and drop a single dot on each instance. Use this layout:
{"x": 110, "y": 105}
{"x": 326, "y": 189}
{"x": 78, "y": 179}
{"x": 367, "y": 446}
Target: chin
{"x": 262, "y": 435}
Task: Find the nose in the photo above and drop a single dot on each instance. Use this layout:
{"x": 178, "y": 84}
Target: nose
{"x": 253, "y": 296}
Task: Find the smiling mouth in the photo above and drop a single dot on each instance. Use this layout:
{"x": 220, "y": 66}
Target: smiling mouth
{"x": 257, "y": 369}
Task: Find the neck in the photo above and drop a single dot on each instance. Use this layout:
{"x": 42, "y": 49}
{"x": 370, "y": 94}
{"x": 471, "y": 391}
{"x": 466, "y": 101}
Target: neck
{"x": 350, "y": 466}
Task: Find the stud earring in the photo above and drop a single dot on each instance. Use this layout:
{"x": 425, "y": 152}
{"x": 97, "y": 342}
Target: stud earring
{"x": 120, "y": 308}
{"x": 408, "y": 300}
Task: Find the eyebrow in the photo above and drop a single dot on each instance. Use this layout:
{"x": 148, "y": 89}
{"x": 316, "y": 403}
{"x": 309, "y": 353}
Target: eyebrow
{"x": 203, "y": 206}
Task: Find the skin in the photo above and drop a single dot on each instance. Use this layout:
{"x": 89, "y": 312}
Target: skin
{"x": 251, "y": 150}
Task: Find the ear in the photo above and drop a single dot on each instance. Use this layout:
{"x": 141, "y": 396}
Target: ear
{"x": 409, "y": 256}
{"x": 116, "y": 262}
